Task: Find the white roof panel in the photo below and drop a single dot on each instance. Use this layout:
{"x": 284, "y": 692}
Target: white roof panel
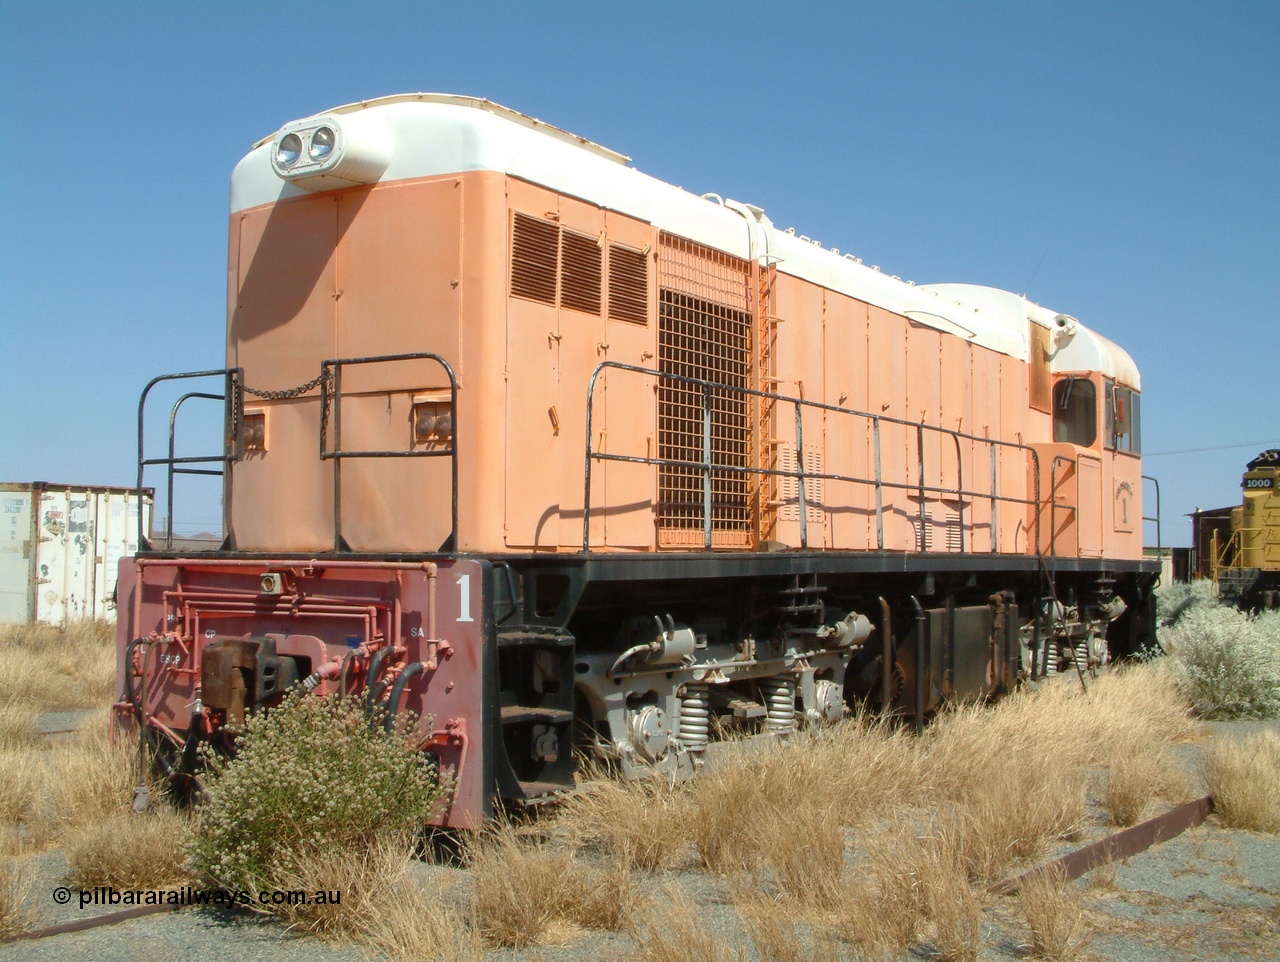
{"x": 435, "y": 134}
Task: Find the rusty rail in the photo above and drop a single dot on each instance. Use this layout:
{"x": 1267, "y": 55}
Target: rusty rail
{"x": 95, "y": 922}
{"x": 1119, "y": 845}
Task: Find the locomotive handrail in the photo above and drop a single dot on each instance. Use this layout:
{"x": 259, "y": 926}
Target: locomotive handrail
{"x": 173, "y": 418}
{"x": 331, "y": 373}
{"x": 706, "y": 466}
{"x": 1230, "y": 553}
{"x": 1156, "y": 519}
{"x": 233, "y": 387}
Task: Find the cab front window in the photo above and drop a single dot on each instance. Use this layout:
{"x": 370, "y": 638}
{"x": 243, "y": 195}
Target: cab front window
{"x": 1075, "y": 412}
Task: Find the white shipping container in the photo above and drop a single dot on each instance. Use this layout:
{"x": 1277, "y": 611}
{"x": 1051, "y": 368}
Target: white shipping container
{"x": 60, "y": 549}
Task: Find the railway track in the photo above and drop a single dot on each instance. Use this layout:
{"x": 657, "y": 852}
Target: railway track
{"x": 1116, "y": 846}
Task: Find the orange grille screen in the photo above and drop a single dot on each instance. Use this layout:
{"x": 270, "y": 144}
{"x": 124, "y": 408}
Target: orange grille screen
{"x": 704, "y": 332}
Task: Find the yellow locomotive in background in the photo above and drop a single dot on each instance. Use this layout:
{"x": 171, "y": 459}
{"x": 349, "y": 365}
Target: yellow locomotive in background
{"x": 1247, "y": 564}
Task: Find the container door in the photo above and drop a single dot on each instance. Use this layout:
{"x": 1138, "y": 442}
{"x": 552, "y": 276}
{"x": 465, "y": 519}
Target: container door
{"x": 15, "y": 556}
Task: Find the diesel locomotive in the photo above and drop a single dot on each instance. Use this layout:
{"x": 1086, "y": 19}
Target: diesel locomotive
{"x": 1246, "y": 563}
{"x": 561, "y": 458}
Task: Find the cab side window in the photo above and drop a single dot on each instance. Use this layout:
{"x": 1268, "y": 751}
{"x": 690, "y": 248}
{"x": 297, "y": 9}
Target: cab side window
{"x": 1124, "y": 425}
{"x": 1075, "y": 412}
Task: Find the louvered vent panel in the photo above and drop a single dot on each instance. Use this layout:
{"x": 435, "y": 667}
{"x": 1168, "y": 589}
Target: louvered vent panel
{"x": 789, "y": 485}
{"x": 924, "y": 538}
{"x": 628, "y": 285}
{"x": 955, "y": 534}
{"x": 580, "y": 271}
{"x": 534, "y": 249}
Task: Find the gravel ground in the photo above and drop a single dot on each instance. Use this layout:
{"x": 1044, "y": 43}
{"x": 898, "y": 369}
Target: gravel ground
{"x": 1211, "y": 893}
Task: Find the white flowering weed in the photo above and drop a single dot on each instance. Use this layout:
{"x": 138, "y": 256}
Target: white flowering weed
{"x": 310, "y": 776}
{"x": 1181, "y": 597}
{"x": 1227, "y": 661}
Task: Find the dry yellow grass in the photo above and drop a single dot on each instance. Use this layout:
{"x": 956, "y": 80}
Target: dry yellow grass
{"x": 90, "y": 778}
{"x": 883, "y": 908}
{"x": 409, "y": 924}
{"x": 911, "y": 884}
{"x": 1002, "y": 782}
{"x": 725, "y": 802}
{"x": 801, "y": 852}
{"x": 988, "y": 786}
{"x": 1243, "y": 776}
{"x": 872, "y": 765}
{"x": 672, "y": 932}
{"x": 640, "y": 823}
{"x": 18, "y": 726}
{"x": 600, "y": 898}
{"x": 47, "y": 786}
{"x": 1003, "y": 805}
{"x": 780, "y": 807}
{"x": 52, "y": 668}
{"x": 21, "y": 776}
{"x": 525, "y": 887}
{"x": 15, "y": 890}
{"x": 517, "y": 886}
{"x": 381, "y": 905}
{"x": 129, "y": 850}
{"x": 52, "y": 790}
{"x": 951, "y": 903}
{"x": 781, "y": 931}
{"x": 1053, "y": 912}
{"x": 1102, "y": 879}
{"x": 1139, "y": 774}
{"x": 985, "y": 786}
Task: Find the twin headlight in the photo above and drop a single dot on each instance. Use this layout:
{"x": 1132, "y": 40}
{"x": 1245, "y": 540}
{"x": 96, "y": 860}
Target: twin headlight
{"x": 324, "y": 153}
{"x": 320, "y": 144}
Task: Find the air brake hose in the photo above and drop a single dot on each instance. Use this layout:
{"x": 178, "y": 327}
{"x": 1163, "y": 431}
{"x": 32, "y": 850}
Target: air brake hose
{"x": 397, "y": 692}
{"x": 375, "y": 663}
{"x": 342, "y": 675}
{"x": 129, "y": 691}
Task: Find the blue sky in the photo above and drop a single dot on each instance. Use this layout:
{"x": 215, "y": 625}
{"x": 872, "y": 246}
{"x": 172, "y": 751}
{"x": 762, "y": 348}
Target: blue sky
{"x": 1115, "y": 161}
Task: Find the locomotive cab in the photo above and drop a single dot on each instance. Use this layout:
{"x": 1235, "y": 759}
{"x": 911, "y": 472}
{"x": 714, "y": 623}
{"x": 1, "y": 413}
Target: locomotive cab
{"x": 1246, "y": 566}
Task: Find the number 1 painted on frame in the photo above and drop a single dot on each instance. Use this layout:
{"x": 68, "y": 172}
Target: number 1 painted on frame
{"x": 464, "y": 598}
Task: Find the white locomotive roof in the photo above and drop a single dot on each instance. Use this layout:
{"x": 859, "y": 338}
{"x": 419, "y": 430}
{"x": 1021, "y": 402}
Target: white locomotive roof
{"x": 435, "y": 134}
{"x": 1072, "y": 346}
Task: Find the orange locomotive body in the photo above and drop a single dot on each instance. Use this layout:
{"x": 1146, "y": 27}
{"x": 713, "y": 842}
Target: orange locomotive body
{"x": 554, "y": 455}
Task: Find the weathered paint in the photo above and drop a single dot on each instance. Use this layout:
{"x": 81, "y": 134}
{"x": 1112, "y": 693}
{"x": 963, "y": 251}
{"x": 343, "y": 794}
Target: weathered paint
{"x": 60, "y": 547}
{"x": 326, "y": 611}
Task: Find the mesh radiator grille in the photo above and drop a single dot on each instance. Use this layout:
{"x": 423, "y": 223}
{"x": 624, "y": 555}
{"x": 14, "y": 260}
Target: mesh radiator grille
{"x": 704, "y": 332}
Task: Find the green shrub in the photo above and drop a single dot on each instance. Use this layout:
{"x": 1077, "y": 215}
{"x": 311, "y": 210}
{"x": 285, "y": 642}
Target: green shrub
{"x": 310, "y": 778}
{"x": 1179, "y": 598}
{"x": 1227, "y": 661}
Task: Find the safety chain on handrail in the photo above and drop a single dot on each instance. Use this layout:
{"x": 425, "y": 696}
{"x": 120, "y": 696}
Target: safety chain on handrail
{"x": 324, "y": 378}
{"x": 315, "y": 382}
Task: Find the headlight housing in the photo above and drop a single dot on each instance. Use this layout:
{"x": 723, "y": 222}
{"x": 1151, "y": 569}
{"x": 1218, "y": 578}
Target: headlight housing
{"x": 323, "y": 140}
{"x": 432, "y": 422}
{"x": 328, "y": 152}
{"x": 288, "y": 150}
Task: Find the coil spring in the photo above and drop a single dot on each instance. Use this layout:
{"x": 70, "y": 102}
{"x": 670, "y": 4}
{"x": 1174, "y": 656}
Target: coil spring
{"x": 780, "y": 704}
{"x": 1052, "y": 657}
{"x": 1082, "y": 655}
{"x": 695, "y": 717}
